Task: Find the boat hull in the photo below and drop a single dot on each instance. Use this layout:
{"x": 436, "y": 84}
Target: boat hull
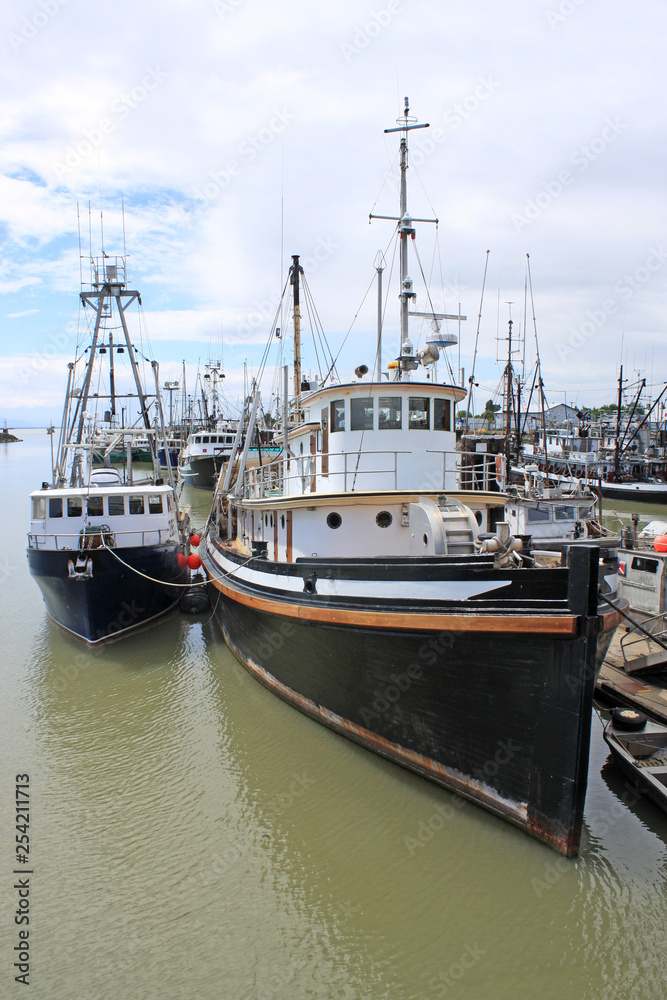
{"x": 107, "y": 599}
{"x": 201, "y": 472}
{"x": 494, "y": 708}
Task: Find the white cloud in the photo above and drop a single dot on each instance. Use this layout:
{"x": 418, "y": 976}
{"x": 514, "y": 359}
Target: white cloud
{"x": 155, "y": 116}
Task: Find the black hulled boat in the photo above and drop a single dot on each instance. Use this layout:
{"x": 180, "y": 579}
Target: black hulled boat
{"x": 353, "y": 582}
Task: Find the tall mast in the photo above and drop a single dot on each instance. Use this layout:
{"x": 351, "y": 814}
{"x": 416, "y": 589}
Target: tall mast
{"x": 508, "y": 396}
{"x": 618, "y": 425}
{"x": 294, "y": 272}
{"x": 405, "y": 231}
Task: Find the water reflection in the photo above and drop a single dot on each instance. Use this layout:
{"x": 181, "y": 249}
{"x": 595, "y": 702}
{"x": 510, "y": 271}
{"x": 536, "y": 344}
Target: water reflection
{"x": 194, "y": 836}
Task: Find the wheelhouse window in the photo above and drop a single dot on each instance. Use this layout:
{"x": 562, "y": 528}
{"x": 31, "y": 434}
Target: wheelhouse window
{"x": 644, "y": 565}
{"x": 442, "y": 415}
{"x": 136, "y": 504}
{"x": 419, "y": 413}
{"x": 361, "y": 414}
{"x": 562, "y": 513}
{"x": 55, "y": 506}
{"x": 538, "y": 514}
{"x": 390, "y": 413}
{"x": 38, "y": 508}
{"x": 205, "y": 439}
{"x": 155, "y": 504}
{"x": 74, "y": 507}
{"x": 116, "y": 506}
{"x": 338, "y": 415}
{"x": 95, "y": 506}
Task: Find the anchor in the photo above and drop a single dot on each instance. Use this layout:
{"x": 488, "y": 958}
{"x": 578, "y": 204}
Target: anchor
{"x": 83, "y": 570}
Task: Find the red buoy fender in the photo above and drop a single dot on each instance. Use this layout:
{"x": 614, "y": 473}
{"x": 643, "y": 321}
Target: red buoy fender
{"x": 660, "y": 543}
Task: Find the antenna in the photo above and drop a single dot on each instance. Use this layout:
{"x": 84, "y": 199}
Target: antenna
{"x": 122, "y": 205}
{"x": 78, "y": 224}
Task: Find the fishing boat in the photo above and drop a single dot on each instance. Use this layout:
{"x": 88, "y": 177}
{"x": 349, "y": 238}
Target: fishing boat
{"x": 639, "y": 748}
{"x": 106, "y": 547}
{"x": 352, "y": 582}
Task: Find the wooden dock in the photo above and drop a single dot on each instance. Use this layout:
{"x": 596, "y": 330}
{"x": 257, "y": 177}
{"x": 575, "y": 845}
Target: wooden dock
{"x": 619, "y": 682}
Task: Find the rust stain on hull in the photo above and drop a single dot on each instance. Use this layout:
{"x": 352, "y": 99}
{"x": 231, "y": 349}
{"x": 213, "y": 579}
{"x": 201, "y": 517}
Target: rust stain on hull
{"x": 469, "y": 788}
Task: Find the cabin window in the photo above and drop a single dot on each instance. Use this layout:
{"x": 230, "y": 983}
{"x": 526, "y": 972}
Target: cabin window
{"x": 95, "y": 506}
{"x": 644, "y": 565}
{"x": 389, "y": 413}
{"x": 205, "y": 439}
{"x": 55, "y": 506}
{"x": 74, "y": 507}
{"x": 155, "y": 503}
{"x": 334, "y": 520}
{"x": 338, "y": 415}
{"x": 538, "y": 514}
{"x": 116, "y": 506}
{"x": 38, "y": 508}
{"x": 361, "y": 414}
{"x": 198, "y": 440}
{"x": 442, "y": 415}
{"x": 564, "y": 513}
{"x": 136, "y": 504}
{"x": 383, "y": 519}
{"x": 418, "y": 413}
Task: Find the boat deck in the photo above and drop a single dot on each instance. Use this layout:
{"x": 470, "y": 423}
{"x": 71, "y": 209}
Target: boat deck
{"x": 617, "y": 684}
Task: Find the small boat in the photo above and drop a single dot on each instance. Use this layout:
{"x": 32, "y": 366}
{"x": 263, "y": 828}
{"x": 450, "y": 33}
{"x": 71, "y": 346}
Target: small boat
{"x": 639, "y": 748}
{"x": 106, "y": 548}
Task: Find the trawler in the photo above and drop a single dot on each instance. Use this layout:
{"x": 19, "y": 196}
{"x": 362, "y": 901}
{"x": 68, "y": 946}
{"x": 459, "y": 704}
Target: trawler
{"x": 106, "y": 547}
{"x": 353, "y": 581}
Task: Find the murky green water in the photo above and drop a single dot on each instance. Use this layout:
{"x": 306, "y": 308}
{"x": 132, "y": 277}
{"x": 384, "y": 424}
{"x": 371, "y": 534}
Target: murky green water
{"x": 192, "y": 836}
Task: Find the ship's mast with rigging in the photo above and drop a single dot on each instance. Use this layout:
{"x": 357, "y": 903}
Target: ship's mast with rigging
{"x": 406, "y": 230}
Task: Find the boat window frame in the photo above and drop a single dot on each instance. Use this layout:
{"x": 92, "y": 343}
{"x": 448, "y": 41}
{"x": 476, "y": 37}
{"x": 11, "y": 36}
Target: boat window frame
{"x": 337, "y": 415}
{"x": 360, "y": 408}
{"x": 412, "y": 425}
{"x": 389, "y": 403}
{"x": 71, "y": 509}
{"x": 155, "y": 500}
{"x": 94, "y": 501}
{"x": 445, "y": 423}
{"x": 132, "y": 498}
{"x": 39, "y": 508}
{"x": 116, "y": 497}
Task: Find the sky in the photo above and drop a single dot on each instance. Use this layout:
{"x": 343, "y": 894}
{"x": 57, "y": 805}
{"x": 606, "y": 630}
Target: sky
{"x": 233, "y": 134}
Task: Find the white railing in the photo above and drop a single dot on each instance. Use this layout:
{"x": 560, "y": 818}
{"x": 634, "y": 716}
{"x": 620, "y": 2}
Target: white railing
{"x": 270, "y": 480}
{"x": 76, "y": 541}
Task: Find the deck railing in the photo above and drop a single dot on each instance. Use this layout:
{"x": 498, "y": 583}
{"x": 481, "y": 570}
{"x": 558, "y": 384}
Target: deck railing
{"x": 62, "y": 541}
{"x": 322, "y": 472}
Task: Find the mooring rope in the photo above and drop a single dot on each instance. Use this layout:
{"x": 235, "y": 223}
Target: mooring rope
{"x": 167, "y": 583}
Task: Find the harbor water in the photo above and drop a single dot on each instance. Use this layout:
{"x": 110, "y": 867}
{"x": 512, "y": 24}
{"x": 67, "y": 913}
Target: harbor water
{"x": 191, "y": 836}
